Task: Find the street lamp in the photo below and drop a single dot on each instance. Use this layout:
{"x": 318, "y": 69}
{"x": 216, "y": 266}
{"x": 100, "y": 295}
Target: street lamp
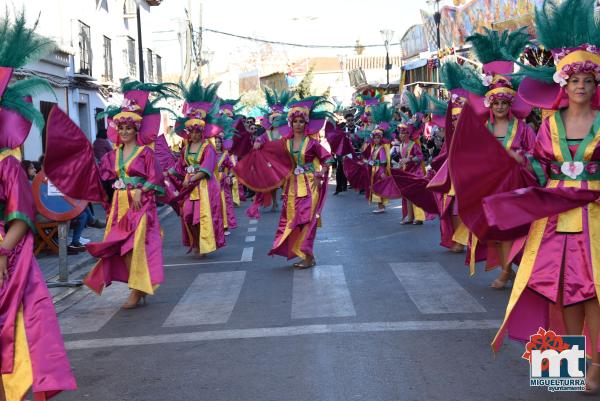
{"x": 387, "y": 35}
{"x": 437, "y": 18}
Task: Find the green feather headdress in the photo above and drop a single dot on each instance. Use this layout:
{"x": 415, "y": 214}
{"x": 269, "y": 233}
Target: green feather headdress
{"x": 274, "y": 98}
{"x": 195, "y": 92}
{"x": 158, "y": 92}
{"x": 20, "y": 45}
{"x": 436, "y": 106}
{"x": 452, "y": 75}
{"x": 562, "y": 24}
{"x": 416, "y": 104}
{"x": 382, "y": 114}
{"x": 495, "y": 46}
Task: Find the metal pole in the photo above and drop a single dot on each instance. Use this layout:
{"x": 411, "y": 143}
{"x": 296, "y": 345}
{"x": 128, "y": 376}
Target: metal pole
{"x": 63, "y": 267}
{"x": 387, "y": 65}
{"x": 140, "y": 48}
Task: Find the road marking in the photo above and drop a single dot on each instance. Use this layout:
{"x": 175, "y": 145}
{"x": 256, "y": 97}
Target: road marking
{"x": 433, "y": 290}
{"x": 321, "y": 292}
{"x": 250, "y": 238}
{"x": 93, "y": 312}
{"x": 216, "y": 262}
{"x": 394, "y": 234}
{"x": 290, "y": 331}
{"x": 253, "y": 221}
{"x": 247, "y": 254}
{"x": 210, "y": 299}
{"x": 252, "y": 229}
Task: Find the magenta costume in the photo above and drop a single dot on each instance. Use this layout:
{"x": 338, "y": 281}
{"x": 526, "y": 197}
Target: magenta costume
{"x": 31, "y": 346}
{"x": 302, "y": 201}
{"x": 201, "y": 209}
{"x": 567, "y": 236}
{"x": 32, "y": 352}
{"x": 223, "y": 169}
{"x": 127, "y": 229}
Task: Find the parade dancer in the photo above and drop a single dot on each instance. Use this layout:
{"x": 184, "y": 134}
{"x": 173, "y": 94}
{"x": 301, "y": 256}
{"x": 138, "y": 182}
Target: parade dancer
{"x": 276, "y": 102}
{"x": 350, "y": 130}
{"x": 410, "y": 155}
{"x": 557, "y": 281}
{"x": 32, "y": 352}
{"x": 495, "y": 99}
{"x": 223, "y": 174}
{"x": 454, "y": 235}
{"x": 376, "y": 157}
{"x": 131, "y": 251}
{"x": 301, "y": 165}
{"x": 201, "y": 207}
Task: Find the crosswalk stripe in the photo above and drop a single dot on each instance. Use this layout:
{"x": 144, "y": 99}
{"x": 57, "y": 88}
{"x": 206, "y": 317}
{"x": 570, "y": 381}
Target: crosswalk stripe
{"x": 433, "y": 290}
{"x": 247, "y": 254}
{"x": 288, "y": 331}
{"x": 210, "y": 299}
{"x": 93, "y": 312}
{"x": 321, "y": 292}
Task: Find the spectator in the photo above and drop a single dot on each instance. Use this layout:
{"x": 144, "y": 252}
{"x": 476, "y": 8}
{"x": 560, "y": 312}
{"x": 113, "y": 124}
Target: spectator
{"x": 31, "y": 168}
{"x": 101, "y": 145}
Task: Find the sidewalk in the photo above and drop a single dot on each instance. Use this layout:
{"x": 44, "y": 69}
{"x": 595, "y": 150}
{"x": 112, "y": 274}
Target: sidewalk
{"x": 80, "y": 264}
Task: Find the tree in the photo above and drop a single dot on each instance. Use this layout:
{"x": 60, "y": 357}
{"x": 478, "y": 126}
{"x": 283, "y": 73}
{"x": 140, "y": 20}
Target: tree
{"x": 252, "y": 99}
{"x": 304, "y": 87}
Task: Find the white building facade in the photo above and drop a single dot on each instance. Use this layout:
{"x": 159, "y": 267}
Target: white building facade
{"x": 97, "y": 47}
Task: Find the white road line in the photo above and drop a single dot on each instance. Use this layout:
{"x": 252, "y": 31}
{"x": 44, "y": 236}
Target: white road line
{"x": 266, "y": 332}
{"x": 433, "y": 290}
{"x": 216, "y": 262}
{"x": 247, "y": 254}
{"x": 252, "y": 229}
{"x": 253, "y": 221}
{"x": 93, "y": 312}
{"x": 321, "y": 292}
{"x": 250, "y": 238}
{"x": 210, "y": 299}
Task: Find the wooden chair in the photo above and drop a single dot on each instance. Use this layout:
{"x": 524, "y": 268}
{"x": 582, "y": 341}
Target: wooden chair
{"x": 47, "y": 237}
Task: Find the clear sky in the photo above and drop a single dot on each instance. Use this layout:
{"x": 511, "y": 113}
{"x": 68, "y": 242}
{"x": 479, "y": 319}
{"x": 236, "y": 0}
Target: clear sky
{"x": 331, "y": 22}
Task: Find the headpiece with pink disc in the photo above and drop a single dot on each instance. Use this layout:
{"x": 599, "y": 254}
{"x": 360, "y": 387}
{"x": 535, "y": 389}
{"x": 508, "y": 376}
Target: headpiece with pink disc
{"x": 571, "y": 31}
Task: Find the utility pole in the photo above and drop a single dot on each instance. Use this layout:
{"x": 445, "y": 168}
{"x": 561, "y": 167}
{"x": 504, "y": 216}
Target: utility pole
{"x": 140, "y": 48}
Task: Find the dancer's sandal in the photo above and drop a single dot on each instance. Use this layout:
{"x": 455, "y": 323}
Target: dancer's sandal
{"x": 407, "y": 221}
{"x": 592, "y": 388}
{"x": 305, "y": 264}
{"x": 136, "y": 298}
{"x": 503, "y": 279}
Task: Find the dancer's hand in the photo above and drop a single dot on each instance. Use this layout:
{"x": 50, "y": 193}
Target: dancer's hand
{"x": 137, "y": 199}
{"x": 3, "y": 269}
{"x": 516, "y": 156}
{"x": 257, "y": 144}
{"x": 186, "y": 181}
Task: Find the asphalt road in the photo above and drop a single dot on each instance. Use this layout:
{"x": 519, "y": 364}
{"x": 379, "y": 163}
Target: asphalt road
{"x": 386, "y": 315}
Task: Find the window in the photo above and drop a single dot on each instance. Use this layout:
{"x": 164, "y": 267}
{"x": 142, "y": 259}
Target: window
{"x": 108, "y": 66}
{"x": 131, "y": 56}
{"x": 158, "y": 69}
{"x": 85, "y": 49}
{"x": 149, "y": 65}
{"x": 45, "y": 108}
{"x": 102, "y": 5}
{"x": 129, "y": 7}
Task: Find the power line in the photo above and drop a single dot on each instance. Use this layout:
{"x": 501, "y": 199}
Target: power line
{"x": 274, "y": 42}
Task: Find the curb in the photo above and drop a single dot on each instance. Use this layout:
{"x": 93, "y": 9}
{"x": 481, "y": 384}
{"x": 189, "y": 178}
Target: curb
{"x": 81, "y": 268}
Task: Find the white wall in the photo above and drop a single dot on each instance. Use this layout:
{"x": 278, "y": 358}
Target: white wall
{"x": 59, "y": 20}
